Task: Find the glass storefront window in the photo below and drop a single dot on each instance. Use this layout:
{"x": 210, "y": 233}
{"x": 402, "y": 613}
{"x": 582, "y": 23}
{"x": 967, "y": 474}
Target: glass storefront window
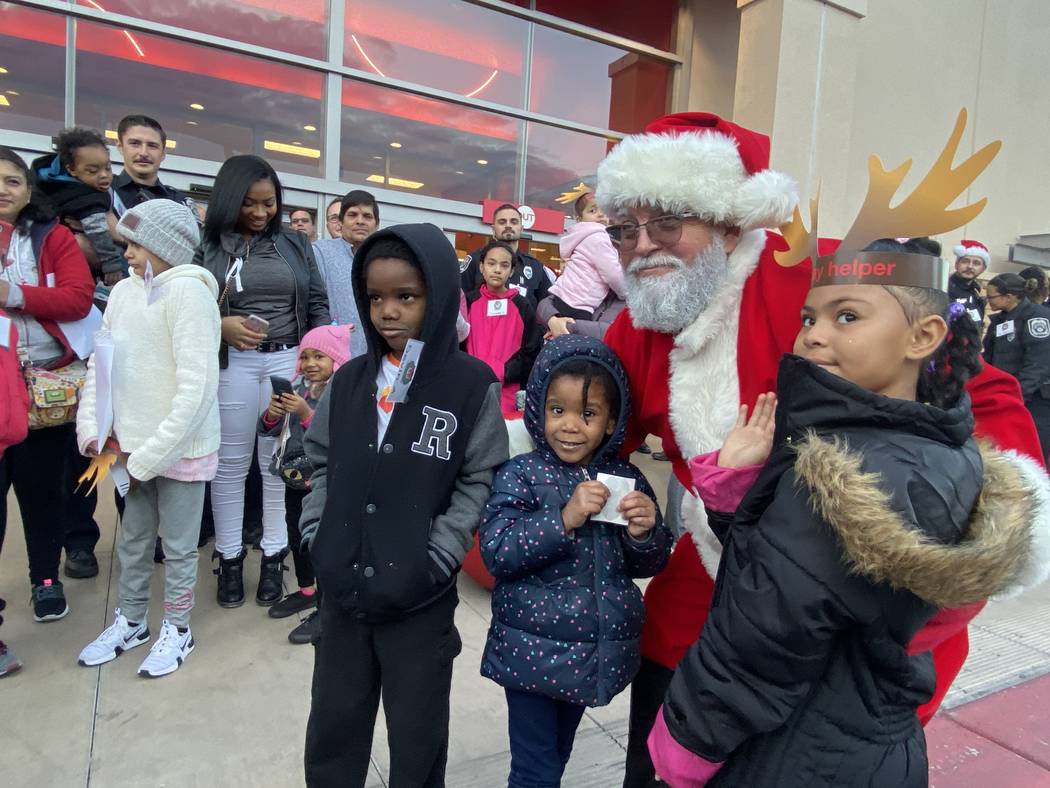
{"x": 213, "y": 104}
{"x": 32, "y": 70}
{"x": 398, "y": 141}
{"x": 603, "y": 79}
{"x": 446, "y": 44}
{"x": 299, "y": 27}
{"x": 557, "y": 161}
{"x": 651, "y": 23}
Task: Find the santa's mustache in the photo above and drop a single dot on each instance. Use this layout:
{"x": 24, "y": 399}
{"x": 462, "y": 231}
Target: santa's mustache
{"x": 655, "y": 261}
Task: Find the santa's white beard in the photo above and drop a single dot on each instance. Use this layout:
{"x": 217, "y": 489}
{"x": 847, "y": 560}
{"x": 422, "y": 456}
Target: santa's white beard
{"x": 670, "y": 302}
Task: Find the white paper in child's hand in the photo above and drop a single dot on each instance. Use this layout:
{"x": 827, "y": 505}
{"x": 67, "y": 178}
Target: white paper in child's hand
{"x": 619, "y": 488}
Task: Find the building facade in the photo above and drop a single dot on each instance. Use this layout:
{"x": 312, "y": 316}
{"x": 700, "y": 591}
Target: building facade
{"x": 438, "y": 105}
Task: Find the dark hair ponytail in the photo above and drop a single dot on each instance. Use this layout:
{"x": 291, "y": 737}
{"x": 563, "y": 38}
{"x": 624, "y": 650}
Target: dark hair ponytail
{"x": 1035, "y": 284}
{"x": 958, "y": 359}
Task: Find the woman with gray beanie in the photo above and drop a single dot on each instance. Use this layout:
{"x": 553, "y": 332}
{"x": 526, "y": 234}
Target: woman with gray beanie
{"x": 163, "y": 386}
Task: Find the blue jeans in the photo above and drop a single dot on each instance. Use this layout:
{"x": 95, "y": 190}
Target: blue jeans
{"x": 542, "y": 731}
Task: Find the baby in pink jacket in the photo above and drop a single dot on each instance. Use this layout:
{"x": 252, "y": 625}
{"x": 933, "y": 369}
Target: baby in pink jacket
{"x": 592, "y": 264}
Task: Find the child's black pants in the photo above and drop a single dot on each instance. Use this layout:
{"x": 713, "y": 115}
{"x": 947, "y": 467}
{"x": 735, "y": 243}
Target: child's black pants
{"x": 411, "y": 662}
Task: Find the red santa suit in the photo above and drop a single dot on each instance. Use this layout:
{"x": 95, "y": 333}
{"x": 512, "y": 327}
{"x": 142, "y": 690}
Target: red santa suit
{"x": 687, "y": 388}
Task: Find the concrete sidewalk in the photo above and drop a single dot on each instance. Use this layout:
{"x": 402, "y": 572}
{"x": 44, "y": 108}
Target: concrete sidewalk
{"x": 235, "y": 714}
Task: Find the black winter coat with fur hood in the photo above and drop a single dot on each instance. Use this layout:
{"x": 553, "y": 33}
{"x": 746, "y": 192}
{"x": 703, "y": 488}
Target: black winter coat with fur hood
{"x": 868, "y": 516}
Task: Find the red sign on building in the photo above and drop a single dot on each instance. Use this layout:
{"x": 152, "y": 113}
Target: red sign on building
{"x": 540, "y": 220}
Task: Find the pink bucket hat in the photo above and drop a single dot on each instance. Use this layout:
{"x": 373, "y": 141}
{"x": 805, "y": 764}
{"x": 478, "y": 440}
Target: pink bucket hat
{"x": 333, "y": 341}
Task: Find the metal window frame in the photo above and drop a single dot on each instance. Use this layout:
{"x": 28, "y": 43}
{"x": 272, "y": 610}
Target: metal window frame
{"x": 334, "y": 72}
{"x": 77, "y": 12}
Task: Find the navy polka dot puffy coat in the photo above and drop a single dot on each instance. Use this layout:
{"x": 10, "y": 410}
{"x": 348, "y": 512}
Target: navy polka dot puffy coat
{"x": 566, "y": 615}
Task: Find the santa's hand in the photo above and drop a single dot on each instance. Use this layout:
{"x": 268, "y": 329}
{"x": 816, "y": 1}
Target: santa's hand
{"x": 750, "y": 440}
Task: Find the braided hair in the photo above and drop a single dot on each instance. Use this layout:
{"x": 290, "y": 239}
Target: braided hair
{"x": 957, "y": 359}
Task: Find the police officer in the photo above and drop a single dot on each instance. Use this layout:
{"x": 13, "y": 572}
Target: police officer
{"x": 528, "y": 274}
{"x": 1018, "y": 342}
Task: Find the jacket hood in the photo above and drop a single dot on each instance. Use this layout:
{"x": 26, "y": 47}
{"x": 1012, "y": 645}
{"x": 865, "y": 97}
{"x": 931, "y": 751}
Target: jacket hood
{"x": 440, "y": 266}
{"x": 181, "y": 272}
{"x": 885, "y": 525}
{"x": 554, "y": 354}
{"x": 575, "y": 235}
{"x": 810, "y": 397}
{"x": 48, "y": 169}
{"x": 1005, "y": 550}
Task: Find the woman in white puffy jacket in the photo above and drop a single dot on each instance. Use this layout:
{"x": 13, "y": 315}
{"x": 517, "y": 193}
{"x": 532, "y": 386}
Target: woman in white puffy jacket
{"x": 165, "y": 329}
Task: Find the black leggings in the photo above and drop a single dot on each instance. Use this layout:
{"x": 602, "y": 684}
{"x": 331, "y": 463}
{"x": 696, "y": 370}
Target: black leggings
{"x": 293, "y": 510}
{"x": 41, "y": 471}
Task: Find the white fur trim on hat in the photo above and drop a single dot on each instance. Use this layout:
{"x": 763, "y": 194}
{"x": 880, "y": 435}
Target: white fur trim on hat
{"x": 972, "y": 251}
{"x": 689, "y": 172}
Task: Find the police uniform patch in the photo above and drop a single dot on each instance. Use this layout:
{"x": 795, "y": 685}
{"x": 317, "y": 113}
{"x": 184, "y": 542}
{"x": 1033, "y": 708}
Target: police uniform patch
{"x": 1039, "y": 327}
{"x": 527, "y": 270}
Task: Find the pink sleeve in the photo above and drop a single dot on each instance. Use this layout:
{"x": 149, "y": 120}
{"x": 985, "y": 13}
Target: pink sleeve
{"x": 599, "y": 250}
{"x": 675, "y": 765}
{"x": 267, "y": 421}
{"x": 721, "y": 489}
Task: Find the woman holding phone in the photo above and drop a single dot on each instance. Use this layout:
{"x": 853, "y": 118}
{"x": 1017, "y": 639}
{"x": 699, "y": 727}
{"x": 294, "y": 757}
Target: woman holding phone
{"x": 271, "y": 295}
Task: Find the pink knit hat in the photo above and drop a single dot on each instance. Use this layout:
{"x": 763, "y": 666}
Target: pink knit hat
{"x": 333, "y": 341}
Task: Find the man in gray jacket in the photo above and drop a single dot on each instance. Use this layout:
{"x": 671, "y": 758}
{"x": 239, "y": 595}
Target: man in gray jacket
{"x": 359, "y": 217}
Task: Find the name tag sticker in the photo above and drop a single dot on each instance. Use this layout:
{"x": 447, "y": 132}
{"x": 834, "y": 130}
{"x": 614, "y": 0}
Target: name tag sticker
{"x": 5, "y": 332}
{"x": 407, "y": 371}
{"x": 1005, "y": 328}
{"x": 498, "y": 308}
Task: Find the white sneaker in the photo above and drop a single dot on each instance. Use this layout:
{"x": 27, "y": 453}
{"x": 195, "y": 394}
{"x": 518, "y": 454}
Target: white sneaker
{"x": 168, "y": 652}
{"x": 117, "y": 638}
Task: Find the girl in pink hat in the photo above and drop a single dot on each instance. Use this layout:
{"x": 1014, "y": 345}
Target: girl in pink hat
{"x": 321, "y": 352}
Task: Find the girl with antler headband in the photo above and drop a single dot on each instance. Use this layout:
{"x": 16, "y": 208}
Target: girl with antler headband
{"x": 852, "y": 505}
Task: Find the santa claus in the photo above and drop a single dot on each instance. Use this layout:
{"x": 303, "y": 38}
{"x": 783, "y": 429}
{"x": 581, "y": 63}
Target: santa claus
{"x": 709, "y": 315}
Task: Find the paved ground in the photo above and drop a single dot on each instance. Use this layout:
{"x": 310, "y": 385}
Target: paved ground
{"x": 234, "y": 715}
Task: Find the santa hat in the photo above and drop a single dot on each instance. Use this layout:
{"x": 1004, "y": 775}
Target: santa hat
{"x": 967, "y": 248}
{"x": 333, "y": 341}
{"x": 697, "y": 162}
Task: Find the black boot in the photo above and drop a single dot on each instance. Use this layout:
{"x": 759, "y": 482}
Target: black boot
{"x": 271, "y": 580}
{"x": 231, "y": 580}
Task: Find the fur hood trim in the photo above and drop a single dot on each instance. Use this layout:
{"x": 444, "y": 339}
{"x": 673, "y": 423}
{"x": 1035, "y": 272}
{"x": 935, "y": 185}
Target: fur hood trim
{"x": 995, "y": 557}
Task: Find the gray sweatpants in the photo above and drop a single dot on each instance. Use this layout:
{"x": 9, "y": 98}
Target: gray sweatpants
{"x": 172, "y": 509}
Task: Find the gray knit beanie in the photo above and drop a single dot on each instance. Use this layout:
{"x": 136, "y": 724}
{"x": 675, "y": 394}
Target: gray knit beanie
{"x": 164, "y": 227}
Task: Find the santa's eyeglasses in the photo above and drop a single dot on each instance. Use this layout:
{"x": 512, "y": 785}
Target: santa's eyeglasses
{"x": 664, "y": 230}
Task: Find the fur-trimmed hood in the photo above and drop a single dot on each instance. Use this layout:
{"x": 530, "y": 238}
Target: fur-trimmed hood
{"x": 914, "y": 502}
{"x": 1003, "y": 551}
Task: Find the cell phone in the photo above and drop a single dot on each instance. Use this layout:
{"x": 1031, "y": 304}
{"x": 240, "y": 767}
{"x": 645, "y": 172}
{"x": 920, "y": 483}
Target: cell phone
{"x": 256, "y": 324}
{"x": 281, "y": 385}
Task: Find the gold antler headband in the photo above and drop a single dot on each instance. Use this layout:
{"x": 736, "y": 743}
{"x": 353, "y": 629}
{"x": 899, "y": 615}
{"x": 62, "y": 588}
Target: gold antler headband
{"x": 923, "y": 212}
{"x": 572, "y": 196}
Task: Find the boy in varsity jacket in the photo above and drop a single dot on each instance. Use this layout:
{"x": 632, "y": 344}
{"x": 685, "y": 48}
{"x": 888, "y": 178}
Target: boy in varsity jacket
{"x": 404, "y": 460}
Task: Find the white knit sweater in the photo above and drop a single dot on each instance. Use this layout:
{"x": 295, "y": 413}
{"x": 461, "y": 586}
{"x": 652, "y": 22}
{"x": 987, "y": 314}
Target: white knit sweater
{"x": 165, "y": 371}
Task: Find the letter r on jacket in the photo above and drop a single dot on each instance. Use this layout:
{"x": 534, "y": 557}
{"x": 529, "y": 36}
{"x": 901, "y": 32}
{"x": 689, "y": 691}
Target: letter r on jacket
{"x": 436, "y": 437}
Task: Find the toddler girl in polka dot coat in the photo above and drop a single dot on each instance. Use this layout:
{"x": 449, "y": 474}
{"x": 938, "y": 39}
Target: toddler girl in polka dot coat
{"x": 566, "y": 615}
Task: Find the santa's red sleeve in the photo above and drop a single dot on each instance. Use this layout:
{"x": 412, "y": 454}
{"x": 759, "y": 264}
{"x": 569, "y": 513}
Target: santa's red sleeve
{"x": 1000, "y": 416}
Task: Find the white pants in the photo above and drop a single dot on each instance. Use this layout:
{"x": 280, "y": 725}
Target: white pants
{"x": 244, "y": 393}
